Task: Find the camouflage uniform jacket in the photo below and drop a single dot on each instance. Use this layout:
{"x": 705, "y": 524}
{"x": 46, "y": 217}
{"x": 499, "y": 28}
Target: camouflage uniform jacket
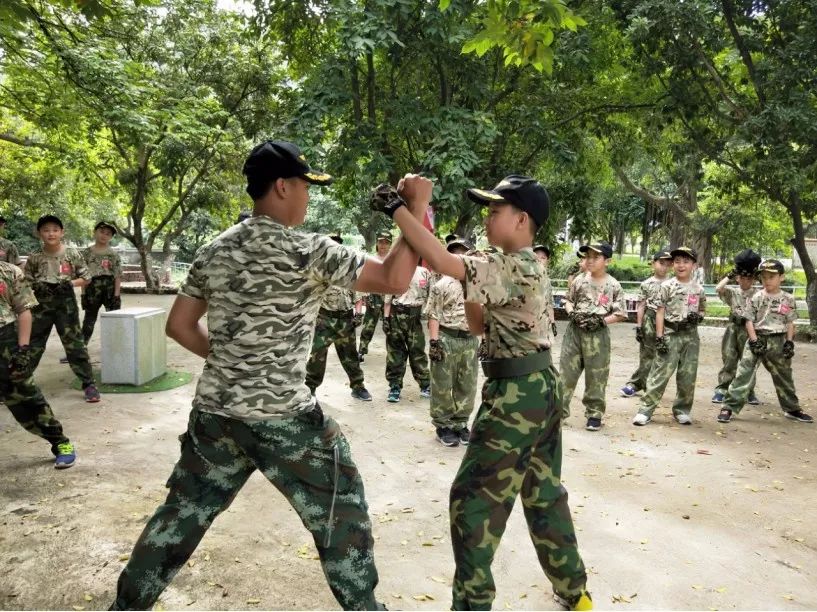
{"x": 338, "y": 298}
{"x": 8, "y": 252}
{"x": 417, "y": 293}
{"x": 43, "y": 267}
{"x": 679, "y": 299}
{"x": 264, "y": 284}
{"x": 446, "y": 303}
{"x": 601, "y": 299}
{"x": 771, "y": 314}
{"x": 16, "y": 295}
{"x": 737, "y": 299}
{"x": 103, "y": 263}
{"x": 649, "y": 292}
{"x": 511, "y": 287}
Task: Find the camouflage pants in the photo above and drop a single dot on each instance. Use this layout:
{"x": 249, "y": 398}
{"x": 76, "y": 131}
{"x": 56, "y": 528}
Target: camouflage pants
{"x": 306, "y": 457}
{"x": 98, "y": 293}
{"x": 24, "y": 399}
{"x": 454, "y": 382}
{"x": 683, "y": 357}
{"x": 341, "y": 333}
{"x": 516, "y": 447}
{"x": 406, "y": 342}
{"x": 374, "y": 310}
{"x": 779, "y": 368}
{"x": 588, "y": 351}
{"x": 732, "y": 345}
{"x": 62, "y": 313}
{"x": 646, "y": 352}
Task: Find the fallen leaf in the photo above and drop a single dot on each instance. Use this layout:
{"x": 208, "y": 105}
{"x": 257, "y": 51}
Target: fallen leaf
{"x": 789, "y": 597}
{"x": 697, "y": 587}
{"x": 703, "y": 451}
{"x": 253, "y": 601}
{"x": 721, "y": 590}
{"x": 440, "y": 580}
{"x": 88, "y": 597}
{"x": 124, "y": 557}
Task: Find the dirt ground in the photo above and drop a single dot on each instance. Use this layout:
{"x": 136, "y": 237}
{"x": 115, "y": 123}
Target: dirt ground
{"x": 704, "y": 517}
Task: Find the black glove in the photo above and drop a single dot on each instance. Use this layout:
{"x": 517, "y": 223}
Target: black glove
{"x": 732, "y": 274}
{"x": 693, "y": 318}
{"x": 553, "y": 328}
{"x": 758, "y": 347}
{"x": 594, "y": 322}
{"x": 85, "y": 300}
{"x": 387, "y": 325}
{"x": 788, "y": 349}
{"x": 639, "y": 335}
{"x": 116, "y": 303}
{"x": 385, "y": 199}
{"x": 435, "y": 350}
{"x": 20, "y": 364}
{"x": 357, "y": 319}
{"x": 661, "y": 345}
{"x": 482, "y": 351}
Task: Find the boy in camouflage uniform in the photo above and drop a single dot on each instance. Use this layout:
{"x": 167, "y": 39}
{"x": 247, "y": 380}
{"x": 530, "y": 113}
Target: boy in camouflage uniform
{"x": 105, "y": 268}
{"x": 453, "y": 355}
{"x": 8, "y": 250}
{"x": 374, "y": 301}
{"x": 735, "y": 336}
{"x": 17, "y": 389}
{"x": 645, "y": 323}
{"x": 405, "y": 340}
{"x": 53, "y": 273}
{"x": 261, "y": 284}
{"x": 543, "y": 255}
{"x": 770, "y": 318}
{"x": 515, "y": 445}
{"x": 336, "y": 325}
{"x": 594, "y": 300}
{"x": 681, "y": 307}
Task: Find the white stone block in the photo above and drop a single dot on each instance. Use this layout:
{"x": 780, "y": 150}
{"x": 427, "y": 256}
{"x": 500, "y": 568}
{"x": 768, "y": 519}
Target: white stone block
{"x": 134, "y": 346}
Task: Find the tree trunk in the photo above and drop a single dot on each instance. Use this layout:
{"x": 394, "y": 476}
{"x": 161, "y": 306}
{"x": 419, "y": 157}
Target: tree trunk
{"x": 799, "y": 243}
{"x": 146, "y": 263}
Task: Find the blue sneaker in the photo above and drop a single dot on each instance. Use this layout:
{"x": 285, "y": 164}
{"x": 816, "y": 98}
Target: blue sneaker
{"x": 425, "y": 391}
{"x": 717, "y": 398}
{"x": 394, "y": 395}
{"x": 628, "y": 390}
{"x": 362, "y": 394}
{"x": 66, "y": 456}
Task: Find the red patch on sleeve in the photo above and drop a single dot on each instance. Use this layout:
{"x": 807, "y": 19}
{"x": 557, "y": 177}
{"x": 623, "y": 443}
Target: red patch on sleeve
{"x": 692, "y": 300}
{"x": 66, "y": 268}
{"x": 784, "y": 309}
{"x": 603, "y": 299}
{"x": 2, "y": 288}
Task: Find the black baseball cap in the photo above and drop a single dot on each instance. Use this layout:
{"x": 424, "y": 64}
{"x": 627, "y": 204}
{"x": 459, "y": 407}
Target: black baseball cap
{"x": 274, "y": 159}
{"x": 106, "y": 225}
{"x": 49, "y": 219}
{"x": 458, "y": 242}
{"x": 772, "y": 265}
{"x": 661, "y": 255}
{"x": 385, "y": 236}
{"x": 686, "y": 251}
{"x": 336, "y": 237}
{"x": 244, "y": 215}
{"x": 599, "y": 247}
{"x": 451, "y": 237}
{"x": 525, "y": 193}
{"x": 543, "y": 248}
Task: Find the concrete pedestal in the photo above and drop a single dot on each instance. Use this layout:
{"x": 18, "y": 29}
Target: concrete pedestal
{"x": 134, "y": 347}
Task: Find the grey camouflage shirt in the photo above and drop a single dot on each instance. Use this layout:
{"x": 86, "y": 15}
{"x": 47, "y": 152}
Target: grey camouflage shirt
{"x": 649, "y": 292}
{"x": 264, "y": 284}
{"x": 8, "y": 252}
{"x": 446, "y": 303}
{"x": 771, "y": 314}
{"x": 417, "y": 293}
{"x": 737, "y": 299}
{"x": 605, "y": 298}
{"x": 47, "y": 268}
{"x": 679, "y": 299}
{"x": 103, "y": 263}
{"x": 338, "y": 298}
{"x": 15, "y": 294}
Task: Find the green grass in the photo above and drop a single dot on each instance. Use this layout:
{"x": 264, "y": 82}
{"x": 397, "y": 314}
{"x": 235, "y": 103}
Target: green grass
{"x": 169, "y": 380}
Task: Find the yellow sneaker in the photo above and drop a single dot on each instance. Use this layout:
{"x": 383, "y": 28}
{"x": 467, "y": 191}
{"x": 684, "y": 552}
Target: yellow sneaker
{"x": 582, "y": 601}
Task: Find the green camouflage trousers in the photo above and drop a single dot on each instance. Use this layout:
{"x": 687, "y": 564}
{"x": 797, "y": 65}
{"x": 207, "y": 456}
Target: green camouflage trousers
{"x": 646, "y": 352}
{"x": 683, "y": 357}
{"x": 454, "y": 382}
{"x": 732, "y": 345}
{"x": 588, "y": 351}
{"x": 516, "y": 447}
{"x": 779, "y": 368}
{"x": 24, "y": 399}
{"x": 406, "y": 342}
{"x": 62, "y": 313}
{"x": 374, "y": 310}
{"x": 339, "y": 331}
{"x": 306, "y": 457}
{"x": 98, "y": 293}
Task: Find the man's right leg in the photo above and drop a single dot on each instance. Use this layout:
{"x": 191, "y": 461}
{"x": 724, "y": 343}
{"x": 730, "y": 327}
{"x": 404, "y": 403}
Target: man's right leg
{"x": 316, "y": 366}
{"x": 210, "y": 472}
{"x": 571, "y": 364}
{"x": 42, "y": 321}
{"x": 370, "y": 320}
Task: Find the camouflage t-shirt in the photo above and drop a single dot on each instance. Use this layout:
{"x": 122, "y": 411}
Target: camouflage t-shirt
{"x": 338, "y": 298}
{"x": 8, "y": 252}
{"x": 417, "y": 293}
{"x": 446, "y": 303}
{"x": 264, "y": 284}
{"x": 649, "y": 292}
{"x": 512, "y": 289}
{"x": 605, "y": 298}
{"x": 679, "y": 299}
{"x": 103, "y": 263}
{"x": 15, "y": 294}
{"x": 43, "y": 267}
{"x": 737, "y": 299}
{"x": 771, "y": 314}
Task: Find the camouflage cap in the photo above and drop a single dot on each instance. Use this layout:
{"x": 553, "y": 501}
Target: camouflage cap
{"x": 274, "y": 159}
{"x": 772, "y": 265}
{"x": 686, "y": 252}
{"x": 598, "y": 247}
{"x": 541, "y": 247}
{"x": 661, "y": 255}
{"x": 105, "y": 225}
{"x": 525, "y": 193}
{"x": 385, "y": 236}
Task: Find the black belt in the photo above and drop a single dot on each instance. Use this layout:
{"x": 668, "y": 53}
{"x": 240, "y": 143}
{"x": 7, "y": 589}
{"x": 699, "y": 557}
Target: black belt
{"x": 337, "y": 314}
{"x": 406, "y": 309}
{"x": 456, "y": 333}
{"x": 102, "y": 278}
{"x": 516, "y": 366}
{"x": 770, "y": 334}
{"x": 737, "y": 320}
{"x": 679, "y": 326}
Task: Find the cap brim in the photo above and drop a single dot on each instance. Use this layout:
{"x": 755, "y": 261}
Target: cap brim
{"x": 485, "y": 196}
{"x": 317, "y": 178}
{"x": 457, "y": 243}
{"x": 587, "y": 247}
{"x": 675, "y": 254}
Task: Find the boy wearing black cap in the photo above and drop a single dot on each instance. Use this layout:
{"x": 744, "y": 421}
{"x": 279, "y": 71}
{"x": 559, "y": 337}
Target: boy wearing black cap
{"x": 53, "y": 273}
{"x": 681, "y": 307}
{"x": 770, "y": 318}
{"x": 594, "y": 300}
{"x": 105, "y": 268}
{"x": 8, "y": 250}
{"x": 261, "y": 284}
{"x": 734, "y": 339}
{"x": 645, "y": 322}
{"x": 515, "y": 444}
{"x": 374, "y": 301}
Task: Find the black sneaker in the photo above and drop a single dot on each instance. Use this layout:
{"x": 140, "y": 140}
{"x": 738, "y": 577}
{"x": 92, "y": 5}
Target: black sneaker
{"x": 465, "y": 435}
{"x": 593, "y": 424}
{"x": 753, "y": 400}
{"x": 362, "y": 394}
{"x": 360, "y": 357}
{"x": 798, "y": 415}
{"x": 447, "y": 437}
{"x": 725, "y": 415}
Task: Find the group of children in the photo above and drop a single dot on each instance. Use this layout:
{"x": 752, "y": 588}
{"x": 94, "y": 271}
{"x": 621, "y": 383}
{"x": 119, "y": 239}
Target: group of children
{"x": 33, "y": 302}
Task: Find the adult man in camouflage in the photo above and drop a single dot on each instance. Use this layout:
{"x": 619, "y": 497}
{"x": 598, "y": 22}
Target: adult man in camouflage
{"x": 105, "y": 268}
{"x": 261, "y": 284}
{"x": 405, "y": 340}
{"x": 336, "y": 325}
{"x": 374, "y": 301}
{"x": 453, "y": 355}
{"x": 734, "y": 339}
{"x": 8, "y": 250}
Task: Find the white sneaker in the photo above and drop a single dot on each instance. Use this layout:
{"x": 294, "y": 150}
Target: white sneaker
{"x": 641, "y": 419}
{"x": 683, "y": 419}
